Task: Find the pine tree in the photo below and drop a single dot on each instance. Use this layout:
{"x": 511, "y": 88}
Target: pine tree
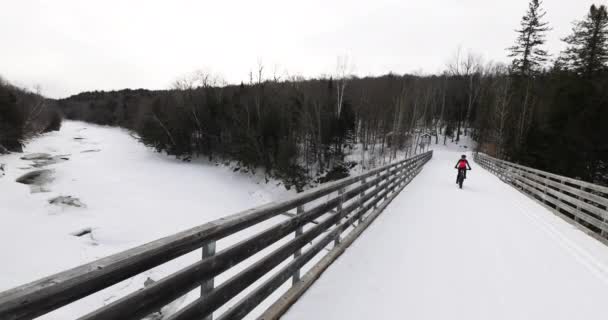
{"x": 11, "y": 120}
{"x": 527, "y": 52}
{"x": 587, "y": 52}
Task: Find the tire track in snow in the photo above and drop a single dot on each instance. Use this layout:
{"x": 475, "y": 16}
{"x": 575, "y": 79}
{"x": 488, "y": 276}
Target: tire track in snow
{"x": 581, "y": 255}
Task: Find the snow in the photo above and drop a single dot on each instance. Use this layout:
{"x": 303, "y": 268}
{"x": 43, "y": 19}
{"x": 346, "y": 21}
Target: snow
{"x": 437, "y": 252}
{"x": 130, "y": 195}
{"x": 483, "y": 252}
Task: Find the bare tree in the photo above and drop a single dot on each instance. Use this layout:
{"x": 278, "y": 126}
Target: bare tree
{"x": 34, "y": 111}
{"x": 473, "y": 68}
{"x": 343, "y": 69}
{"x": 467, "y": 67}
{"x": 503, "y": 93}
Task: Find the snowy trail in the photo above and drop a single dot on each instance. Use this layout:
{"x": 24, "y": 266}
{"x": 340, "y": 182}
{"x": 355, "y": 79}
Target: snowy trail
{"x": 484, "y": 252}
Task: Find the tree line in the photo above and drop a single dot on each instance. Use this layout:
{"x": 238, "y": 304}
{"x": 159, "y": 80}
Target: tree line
{"x": 548, "y": 112}
{"x": 23, "y": 115}
{"x": 563, "y": 106}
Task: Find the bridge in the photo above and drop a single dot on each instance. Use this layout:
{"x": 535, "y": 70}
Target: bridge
{"x": 397, "y": 242}
{"x": 484, "y": 252}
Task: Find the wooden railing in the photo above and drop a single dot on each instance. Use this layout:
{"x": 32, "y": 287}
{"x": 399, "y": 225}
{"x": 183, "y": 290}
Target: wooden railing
{"x": 581, "y": 203}
{"x": 323, "y": 216}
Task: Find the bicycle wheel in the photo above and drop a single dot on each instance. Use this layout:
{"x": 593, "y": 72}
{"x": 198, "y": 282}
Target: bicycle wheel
{"x": 460, "y": 179}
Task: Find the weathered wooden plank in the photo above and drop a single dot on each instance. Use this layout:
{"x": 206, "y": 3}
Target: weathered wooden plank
{"x": 229, "y": 289}
{"x": 145, "y": 301}
{"x": 207, "y": 286}
{"x": 581, "y": 193}
{"x": 248, "y": 303}
{"x": 236, "y": 284}
{"x": 555, "y": 210}
{"x": 339, "y": 212}
{"x": 275, "y": 311}
{"x": 47, "y": 294}
{"x": 549, "y": 186}
{"x": 581, "y": 183}
{"x": 561, "y": 205}
{"x": 361, "y": 201}
{"x": 44, "y": 295}
{"x": 298, "y": 252}
{"x": 562, "y": 196}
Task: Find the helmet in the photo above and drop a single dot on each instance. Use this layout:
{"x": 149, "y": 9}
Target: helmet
{"x": 463, "y": 156}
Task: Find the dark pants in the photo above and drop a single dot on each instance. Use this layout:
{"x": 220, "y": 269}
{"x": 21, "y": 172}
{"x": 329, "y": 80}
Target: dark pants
{"x": 464, "y": 174}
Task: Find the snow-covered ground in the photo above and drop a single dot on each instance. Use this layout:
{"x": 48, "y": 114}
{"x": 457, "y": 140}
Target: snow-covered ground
{"x": 131, "y": 194}
{"x": 484, "y": 252}
{"x": 437, "y": 252}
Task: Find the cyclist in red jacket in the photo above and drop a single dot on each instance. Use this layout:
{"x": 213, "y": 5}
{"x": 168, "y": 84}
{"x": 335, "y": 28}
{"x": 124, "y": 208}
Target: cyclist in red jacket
{"x": 462, "y": 164}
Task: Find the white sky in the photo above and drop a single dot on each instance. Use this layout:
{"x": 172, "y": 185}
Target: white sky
{"x": 68, "y": 46}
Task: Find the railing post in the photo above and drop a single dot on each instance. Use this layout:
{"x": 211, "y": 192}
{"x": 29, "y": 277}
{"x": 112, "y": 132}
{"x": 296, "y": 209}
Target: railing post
{"x": 409, "y": 172}
{"x": 411, "y": 168}
{"x": 578, "y": 209}
{"x": 544, "y": 180}
{"x": 376, "y": 187}
{"x": 404, "y": 171}
{"x": 339, "y": 211}
{"x": 558, "y": 192}
{"x": 296, "y": 275}
{"x": 388, "y": 186}
{"x": 501, "y": 171}
{"x": 603, "y": 232}
{"x": 361, "y": 195}
{"x": 407, "y": 167}
{"x": 398, "y": 172}
{"x": 207, "y": 286}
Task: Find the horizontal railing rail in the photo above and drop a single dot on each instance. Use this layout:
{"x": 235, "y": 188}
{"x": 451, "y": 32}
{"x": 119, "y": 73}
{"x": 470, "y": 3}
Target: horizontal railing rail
{"x": 582, "y": 203}
{"x": 322, "y": 216}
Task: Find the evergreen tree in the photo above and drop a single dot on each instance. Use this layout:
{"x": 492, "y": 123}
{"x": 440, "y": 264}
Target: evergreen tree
{"x": 587, "y": 53}
{"x": 11, "y": 121}
{"x": 528, "y": 56}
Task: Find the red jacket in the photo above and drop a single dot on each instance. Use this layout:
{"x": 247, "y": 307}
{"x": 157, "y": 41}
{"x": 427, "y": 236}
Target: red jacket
{"x": 463, "y": 164}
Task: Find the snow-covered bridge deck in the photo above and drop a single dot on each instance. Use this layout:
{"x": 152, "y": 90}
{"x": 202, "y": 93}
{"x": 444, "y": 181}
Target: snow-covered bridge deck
{"x": 484, "y": 252}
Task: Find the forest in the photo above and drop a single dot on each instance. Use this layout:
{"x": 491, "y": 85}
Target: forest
{"x": 544, "y": 110}
{"x": 23, "y": 115}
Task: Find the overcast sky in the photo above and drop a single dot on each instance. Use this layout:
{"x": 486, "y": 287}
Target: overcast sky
{"x": 68, "y": 46}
